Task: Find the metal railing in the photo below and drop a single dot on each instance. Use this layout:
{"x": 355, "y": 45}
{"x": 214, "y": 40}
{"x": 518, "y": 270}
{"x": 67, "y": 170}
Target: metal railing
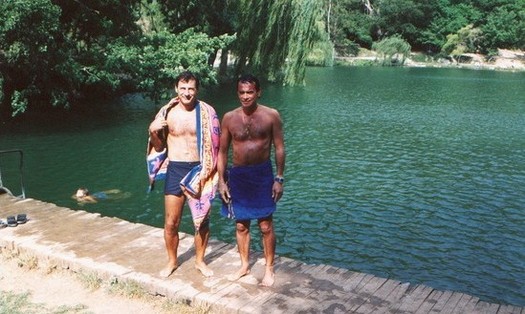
{"x": 21, "y": 174}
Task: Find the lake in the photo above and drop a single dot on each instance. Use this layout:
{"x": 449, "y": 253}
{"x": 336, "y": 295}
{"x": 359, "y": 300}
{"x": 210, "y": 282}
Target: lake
{"x": 408, "y": 173}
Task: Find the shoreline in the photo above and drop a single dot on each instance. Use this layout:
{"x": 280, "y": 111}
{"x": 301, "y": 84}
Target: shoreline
{"x": 506, "y": 61}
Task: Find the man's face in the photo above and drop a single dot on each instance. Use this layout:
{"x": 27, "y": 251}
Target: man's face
{"x": 187, "y": 91}
{"x": 247, "y": 93}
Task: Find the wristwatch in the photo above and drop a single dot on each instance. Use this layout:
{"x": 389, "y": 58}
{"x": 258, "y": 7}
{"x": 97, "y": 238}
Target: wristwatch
{"x": 279, "y": 179}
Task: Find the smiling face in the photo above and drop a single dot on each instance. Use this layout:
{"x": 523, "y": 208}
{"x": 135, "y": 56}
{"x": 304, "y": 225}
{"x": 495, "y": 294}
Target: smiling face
{"x": 248, "y": 94}
{"x": 187, "y": 92}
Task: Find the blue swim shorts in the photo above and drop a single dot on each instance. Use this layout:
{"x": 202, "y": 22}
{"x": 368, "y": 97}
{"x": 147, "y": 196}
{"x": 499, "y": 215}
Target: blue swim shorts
{"x": 174, "y": 174}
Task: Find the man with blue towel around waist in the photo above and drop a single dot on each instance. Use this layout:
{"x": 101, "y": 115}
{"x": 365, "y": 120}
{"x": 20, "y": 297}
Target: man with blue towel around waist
{"x": 249, "y": 189}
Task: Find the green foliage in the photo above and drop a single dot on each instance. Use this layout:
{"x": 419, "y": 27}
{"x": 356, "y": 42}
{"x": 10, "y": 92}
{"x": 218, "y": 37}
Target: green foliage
{"x": 426, "y": 24}
{"x": 95, "y": 21}
{"x": 48, "y": 58}
{"x": 403, "y": 17}
{"x": 321, "y": 54}
{"x": 152, "y": 64}
{"x": 56, "y": 52}
{"x": 29, "y": 50}
{"x": 505, "y": 26}
{"x": 467, "y": 39}
{"x": 392, "y": 49}
{"x": 350, "y": 26}
{"x": 448, "y": 19}
{"x": 274, "y": 38}
{"x": 213, "y": 17}
{"x": 151, "y": 18}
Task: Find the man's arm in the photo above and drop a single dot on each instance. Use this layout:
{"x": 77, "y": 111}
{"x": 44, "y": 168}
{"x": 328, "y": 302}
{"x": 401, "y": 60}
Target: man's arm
{"x": 280, "y": 154}
{"x": 278, "y": 142}
{"x": 156, "y": 128}
{"x": 222, "y": 160}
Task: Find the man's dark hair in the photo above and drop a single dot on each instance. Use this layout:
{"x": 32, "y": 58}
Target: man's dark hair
{"x": 187, "y": 76}
{"x": 249, "y": 78}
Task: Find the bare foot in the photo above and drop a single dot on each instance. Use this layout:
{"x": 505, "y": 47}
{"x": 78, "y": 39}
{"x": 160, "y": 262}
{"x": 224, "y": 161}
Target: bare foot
{"x": 168, "y": 270}
{"x": 204, "y": 269}
{"x": 238, "y": 274}
{"x": 269, "y": 278}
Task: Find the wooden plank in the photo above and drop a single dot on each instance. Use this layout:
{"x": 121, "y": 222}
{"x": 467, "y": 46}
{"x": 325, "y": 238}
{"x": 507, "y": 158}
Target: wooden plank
{"x": 486, "y": 308}
{"x": 285, "y": 304}
{"x": 331, "y": 303}
{"x": 509, "y": 309}
{"x": 452, "y": 302}
{"x": 431, "y": 302}
{"x": 413, "y": 299}
{"x": 394, "y": 298}
{"x": 216, "y": 248}
{"x": 286, "y": 265}
{"x": 217, "y": 291}
{"x": 357, "y": 281}
{"x": 464, "y": 302}
{"x": 380, "y": 301}
{"x": 308, "y": 269}
{"x": 368, "y": 291}
{"x": 253, "y": 305}
{"x": 471, "y": 305}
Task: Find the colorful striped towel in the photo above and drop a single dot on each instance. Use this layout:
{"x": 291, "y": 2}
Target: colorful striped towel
{"x": 200, "y": 184}
{"x": 157, "y": 162}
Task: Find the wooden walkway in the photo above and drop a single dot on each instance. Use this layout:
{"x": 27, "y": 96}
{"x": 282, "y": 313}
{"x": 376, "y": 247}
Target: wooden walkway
{"x": 114, "y": 248}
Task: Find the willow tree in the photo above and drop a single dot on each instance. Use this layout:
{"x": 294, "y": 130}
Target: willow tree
{"x": 392, "y": 49}
{"x": 275, "y": 37}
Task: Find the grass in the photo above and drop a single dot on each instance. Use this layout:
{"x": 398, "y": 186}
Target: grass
{"x": 20, "y": 303}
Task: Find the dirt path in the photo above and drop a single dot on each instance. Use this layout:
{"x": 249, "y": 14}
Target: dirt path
{"x": 66, "y": 292}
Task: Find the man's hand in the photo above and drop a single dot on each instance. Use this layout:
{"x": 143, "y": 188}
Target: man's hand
{"x": 277, "y": 191}
{"x": 224, "y": 191}
{"x": 157, "y": 125}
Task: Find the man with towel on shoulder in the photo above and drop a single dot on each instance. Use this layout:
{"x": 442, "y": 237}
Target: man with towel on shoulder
{"x": 249, "y": 189}
{"x": 189, "y": 129}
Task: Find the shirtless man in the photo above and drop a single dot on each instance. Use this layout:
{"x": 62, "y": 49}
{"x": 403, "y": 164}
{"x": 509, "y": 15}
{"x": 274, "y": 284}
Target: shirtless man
{"x": 183, "y": 156}
{"x": 248, "y": 189}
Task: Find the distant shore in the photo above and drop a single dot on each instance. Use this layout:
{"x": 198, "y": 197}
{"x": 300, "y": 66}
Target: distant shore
{"x": 506, "y": 60}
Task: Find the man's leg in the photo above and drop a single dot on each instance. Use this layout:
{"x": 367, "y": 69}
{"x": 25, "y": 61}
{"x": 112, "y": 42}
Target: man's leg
{"x": 268, "y": 239}
{"x": 172, "y": 215}
{"x": 201, "y": 242}
{"x": 242, "y": 234}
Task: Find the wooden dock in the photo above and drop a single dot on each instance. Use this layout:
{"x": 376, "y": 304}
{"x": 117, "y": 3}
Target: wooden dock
{"x": 114, "y": 248}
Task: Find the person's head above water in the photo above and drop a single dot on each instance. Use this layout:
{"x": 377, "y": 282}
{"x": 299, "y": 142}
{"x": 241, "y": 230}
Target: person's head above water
{"x": 82, "y": 192}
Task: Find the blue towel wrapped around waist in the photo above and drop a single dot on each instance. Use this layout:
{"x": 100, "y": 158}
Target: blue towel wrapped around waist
{"x": 250, "y": 191}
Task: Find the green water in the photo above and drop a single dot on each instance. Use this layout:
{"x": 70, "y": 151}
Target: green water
{"x": 413, "y": 174}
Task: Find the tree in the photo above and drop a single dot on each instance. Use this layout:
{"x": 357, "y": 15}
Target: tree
{"x": 447, "y": 19}
{"x": 404, "y": 17}
{"x": 213, "y": 17}
{"x": 392, "y": 48}
{"x": 466, "y": 40}
{"x": 274, "y": 38}
{"x": 352, "y": 25}
{"x": 31, "y": 58}
{"x": 505, "y": 27}
{"x": 152, "y": 64}
{"x": 59, "y": 54}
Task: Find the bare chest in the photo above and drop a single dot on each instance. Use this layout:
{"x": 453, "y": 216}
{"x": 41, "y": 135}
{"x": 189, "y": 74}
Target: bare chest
{"x": 182, "y": 122}
{"x": 250, "y": 128}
